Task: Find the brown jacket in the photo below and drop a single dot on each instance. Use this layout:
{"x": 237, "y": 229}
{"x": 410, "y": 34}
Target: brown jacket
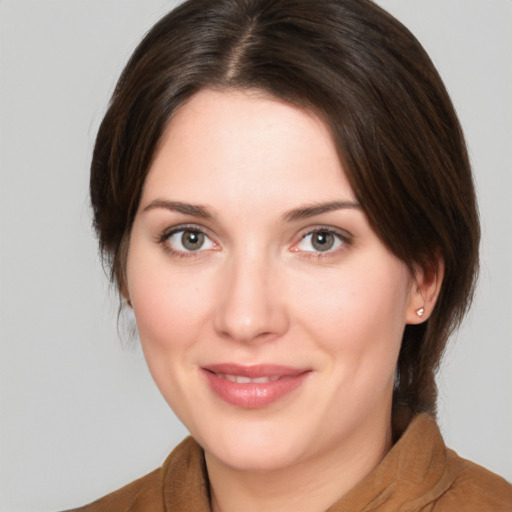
{"x": 418, "y": 474}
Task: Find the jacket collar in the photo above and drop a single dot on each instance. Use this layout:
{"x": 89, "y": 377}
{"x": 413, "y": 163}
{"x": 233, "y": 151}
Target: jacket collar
{"x": 414, "y": 472}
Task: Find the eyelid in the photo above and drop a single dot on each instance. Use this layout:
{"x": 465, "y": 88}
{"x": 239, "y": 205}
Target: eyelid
{"x": 343, "y": 235}
{"x": 167, "y": 233}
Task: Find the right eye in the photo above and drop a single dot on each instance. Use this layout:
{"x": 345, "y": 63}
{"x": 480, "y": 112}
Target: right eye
{"x": 188, "y": 240}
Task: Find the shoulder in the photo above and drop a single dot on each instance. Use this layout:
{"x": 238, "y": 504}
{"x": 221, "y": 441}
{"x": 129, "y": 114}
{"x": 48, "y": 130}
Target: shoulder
{"x": 424, "y": 475}
{"x": 141, "y": 495}
{"x": 151, "y": 492}
{"x": 473, "y": 488}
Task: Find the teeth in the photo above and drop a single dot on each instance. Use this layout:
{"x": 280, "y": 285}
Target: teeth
{"x": 261, "y": 380}
{"x": 240, "y": 379}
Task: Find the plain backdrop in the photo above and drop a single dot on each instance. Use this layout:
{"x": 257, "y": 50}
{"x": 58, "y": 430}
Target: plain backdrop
{"x": 80, "y": 415}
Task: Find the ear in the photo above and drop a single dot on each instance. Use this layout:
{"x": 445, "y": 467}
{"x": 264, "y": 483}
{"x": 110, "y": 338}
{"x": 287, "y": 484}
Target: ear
{"x": 425, "y": 288}
{"x": 124, "y": 295}
{"x": 121, "y": 272}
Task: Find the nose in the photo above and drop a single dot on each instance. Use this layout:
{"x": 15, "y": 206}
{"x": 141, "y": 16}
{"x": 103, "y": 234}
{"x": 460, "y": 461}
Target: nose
{"x": 250, "y": 306}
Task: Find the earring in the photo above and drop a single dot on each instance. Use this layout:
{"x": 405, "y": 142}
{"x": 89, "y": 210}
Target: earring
{"x": 420, "y": 312}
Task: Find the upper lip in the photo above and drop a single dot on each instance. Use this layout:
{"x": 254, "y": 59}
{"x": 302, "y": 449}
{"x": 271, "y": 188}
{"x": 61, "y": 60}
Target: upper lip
{"x": 254, "y": 371}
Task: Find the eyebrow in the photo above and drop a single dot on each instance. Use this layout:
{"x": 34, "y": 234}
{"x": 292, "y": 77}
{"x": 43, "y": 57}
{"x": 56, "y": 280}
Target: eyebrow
{"x": 317, "y": 209}
{"x": 295, "y": 214}
{"x": 195, "y": 210}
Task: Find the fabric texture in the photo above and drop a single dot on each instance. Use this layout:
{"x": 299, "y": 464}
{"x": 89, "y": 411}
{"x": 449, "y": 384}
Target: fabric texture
{"x": 419, "y": 474}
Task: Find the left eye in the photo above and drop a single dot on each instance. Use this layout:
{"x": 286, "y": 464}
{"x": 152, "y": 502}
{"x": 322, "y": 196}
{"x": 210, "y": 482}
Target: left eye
{"x": 189, "y": 240}
{"x": 320, "y": 241}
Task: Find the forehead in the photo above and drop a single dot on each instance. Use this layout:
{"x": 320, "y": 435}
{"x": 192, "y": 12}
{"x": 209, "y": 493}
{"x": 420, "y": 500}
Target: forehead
{"x": 246, "y": 145}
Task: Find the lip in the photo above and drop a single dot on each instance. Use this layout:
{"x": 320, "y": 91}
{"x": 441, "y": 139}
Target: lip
{"x": 254, "y": 386}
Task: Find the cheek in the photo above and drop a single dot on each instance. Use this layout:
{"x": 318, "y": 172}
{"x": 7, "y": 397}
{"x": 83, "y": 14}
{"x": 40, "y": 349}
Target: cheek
{"x": 169, "y": 310}
{"x": 358, "y": 316}
{"x": 170, "y": 305}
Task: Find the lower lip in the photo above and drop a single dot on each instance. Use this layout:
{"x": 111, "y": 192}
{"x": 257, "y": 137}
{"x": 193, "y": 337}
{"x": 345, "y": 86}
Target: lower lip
{"x": 253, "y": 395}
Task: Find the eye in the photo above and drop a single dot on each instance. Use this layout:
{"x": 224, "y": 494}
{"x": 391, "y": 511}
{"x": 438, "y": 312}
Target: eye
{"x": 188, "y": 240}
{"x": 320, "y": 240}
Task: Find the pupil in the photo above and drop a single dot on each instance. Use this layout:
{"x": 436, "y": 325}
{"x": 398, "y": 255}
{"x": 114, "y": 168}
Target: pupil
{"x": 323, "y": 241}
{"x": 192, "y": 240}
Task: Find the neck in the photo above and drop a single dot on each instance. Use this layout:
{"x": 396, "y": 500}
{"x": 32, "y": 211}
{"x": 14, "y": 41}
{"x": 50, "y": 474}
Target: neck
{"x": 310, "y": 485}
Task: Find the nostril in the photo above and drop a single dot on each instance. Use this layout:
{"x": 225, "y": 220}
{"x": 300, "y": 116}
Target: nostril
{"x": 250, "y": 306}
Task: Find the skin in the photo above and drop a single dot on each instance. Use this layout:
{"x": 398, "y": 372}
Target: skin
{"x": 259, "y": 291}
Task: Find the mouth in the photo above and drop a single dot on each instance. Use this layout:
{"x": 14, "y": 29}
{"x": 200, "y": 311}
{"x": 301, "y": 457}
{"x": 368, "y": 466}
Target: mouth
{"x": 254, "y": 386}
{"x": 241, "y": 379}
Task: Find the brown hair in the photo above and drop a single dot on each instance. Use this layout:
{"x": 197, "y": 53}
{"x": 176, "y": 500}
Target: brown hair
{"x": 366, "y": 75}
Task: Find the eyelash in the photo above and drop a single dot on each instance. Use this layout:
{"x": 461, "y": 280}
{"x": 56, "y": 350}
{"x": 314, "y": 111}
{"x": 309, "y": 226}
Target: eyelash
{"x": 343, "y": 238}
{"x": 164, "y": 238}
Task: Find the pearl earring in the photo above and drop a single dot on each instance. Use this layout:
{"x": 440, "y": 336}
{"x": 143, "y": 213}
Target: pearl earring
{"x": 420, "y": 312}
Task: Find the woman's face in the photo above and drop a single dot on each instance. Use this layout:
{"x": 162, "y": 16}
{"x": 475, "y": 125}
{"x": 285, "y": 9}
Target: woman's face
{"x": 269, "y": 312}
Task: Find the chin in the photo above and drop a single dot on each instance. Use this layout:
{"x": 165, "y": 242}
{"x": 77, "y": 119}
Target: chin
{"x": 258, "y": 448}
{"x": 256, "y": 458}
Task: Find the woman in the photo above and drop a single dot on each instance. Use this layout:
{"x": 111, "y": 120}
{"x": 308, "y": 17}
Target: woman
{"x": 283, "y": 195}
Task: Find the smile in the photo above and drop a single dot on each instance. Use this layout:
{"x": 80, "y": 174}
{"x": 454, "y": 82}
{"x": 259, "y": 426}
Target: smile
{"x": 240, "y": 379}
{"x": 253, "y": 387}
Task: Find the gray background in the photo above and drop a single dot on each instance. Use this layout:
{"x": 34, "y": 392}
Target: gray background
{"x": 79, "y": 413}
